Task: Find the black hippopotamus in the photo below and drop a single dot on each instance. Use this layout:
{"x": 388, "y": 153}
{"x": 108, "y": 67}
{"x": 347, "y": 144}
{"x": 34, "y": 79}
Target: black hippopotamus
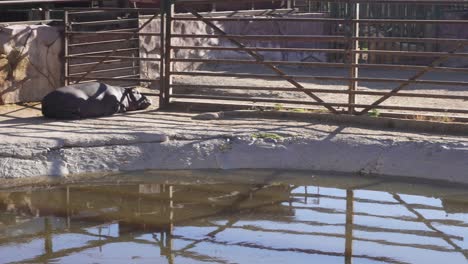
{"x": 91, "y": 99}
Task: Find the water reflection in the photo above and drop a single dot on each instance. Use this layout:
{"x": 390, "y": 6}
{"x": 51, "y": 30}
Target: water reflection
{"x": 233, "y": 223}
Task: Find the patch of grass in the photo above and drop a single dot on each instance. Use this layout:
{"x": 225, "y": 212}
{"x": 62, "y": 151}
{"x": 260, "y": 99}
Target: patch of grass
{"x": 299, "y": 110}
{"x": 374, "y": 113}
{"x": 278, "y": 107}
{"x": 267, "y": 136}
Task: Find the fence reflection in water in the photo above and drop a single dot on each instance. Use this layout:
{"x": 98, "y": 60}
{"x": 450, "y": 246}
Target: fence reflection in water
{"x": 232, "y": 223}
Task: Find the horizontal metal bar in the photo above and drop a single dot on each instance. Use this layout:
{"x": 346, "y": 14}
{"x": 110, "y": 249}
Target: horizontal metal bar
{"x": 104, "y": 51}
{"x": 234, "y": 61}
{"x": 217, "y": 48}
{"x": 150, "y": 94}
{"x": 408, "y": 67}
{"x": 99, "y": 22}
{"x": 93, "y": 63}
{"x": 267, "y": 37}
{"x": 31, "y": 22}
{"x": 382, "y": 52}
{"x": 117, "y": 77}
{"x": 362, "y": 66}
{"x": 385, "y": 80}
{"x": 408, "y": 21}
{"x": 123, "y": 78}
{"x": 433, "y": 2}
{"x": 410, "y": 40}
{"x": 322, "y": 38}
{"x": 222, "y": 74}
{"x": 411, "y": 53}
{"x": 325, "y": 19}
{"x": 289, "y": 19}
{"x": 113, "y": 57}
{"x": 269, "y": 100}
{"x": 110, "y": 33}
{"x": 121, "y": 30}
{"x": 320, "y": 64}
{"x": 104, "y": 71}
{"x": 101, "y": 42}
{"x": 16, "y": 2}
{"x": 363, "y": 79}
{"x": 82, "y": 10}
{"x": 333, "y": 91}
{"x": 237, "y": 13}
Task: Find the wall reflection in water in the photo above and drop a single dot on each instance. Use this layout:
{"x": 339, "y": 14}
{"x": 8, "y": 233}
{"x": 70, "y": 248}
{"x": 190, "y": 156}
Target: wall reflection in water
{"x": 232, "y": 223}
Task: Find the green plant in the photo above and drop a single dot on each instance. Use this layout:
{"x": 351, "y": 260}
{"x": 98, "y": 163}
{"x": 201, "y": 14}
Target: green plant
{"x": 278, "y": 107}
{"x": 299, "y": 110}
{"x": 374, "y": 113}
{"x": 267, "y": 136}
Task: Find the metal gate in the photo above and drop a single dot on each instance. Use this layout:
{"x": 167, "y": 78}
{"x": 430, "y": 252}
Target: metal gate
{"x": 341, "y": 56}
{"x": 103, "y": 44}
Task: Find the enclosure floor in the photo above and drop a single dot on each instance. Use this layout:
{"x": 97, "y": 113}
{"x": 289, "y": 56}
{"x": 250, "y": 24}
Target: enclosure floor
{"x": 439, "y": 89}
{"x": 31, "y": 145}
{"x": 25, "y": 123}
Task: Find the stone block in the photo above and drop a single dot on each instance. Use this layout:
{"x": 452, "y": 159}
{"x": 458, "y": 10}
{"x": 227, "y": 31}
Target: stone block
{"x": 30, "y": 62}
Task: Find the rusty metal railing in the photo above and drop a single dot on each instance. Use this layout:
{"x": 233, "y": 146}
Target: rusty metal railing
{"x": 344, "y": 51}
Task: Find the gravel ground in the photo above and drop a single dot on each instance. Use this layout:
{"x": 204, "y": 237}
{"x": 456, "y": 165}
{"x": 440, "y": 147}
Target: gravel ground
{"x": 334, "y": 98}
{"x": 31, "y": 145}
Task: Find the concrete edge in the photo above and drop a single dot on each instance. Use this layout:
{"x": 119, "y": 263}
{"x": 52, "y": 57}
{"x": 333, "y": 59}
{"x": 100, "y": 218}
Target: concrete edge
{"x": 421, "y": 160}
{"x": 432, "y": 127}
{"x": 364, "y": 121}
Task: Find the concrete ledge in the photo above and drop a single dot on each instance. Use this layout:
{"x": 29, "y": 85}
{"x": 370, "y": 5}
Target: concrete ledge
{"x": 451, "y": 128}
{"x": 382, "y": 122}
{"x": 35, "y": 146}
{"x": 410, "y": 159}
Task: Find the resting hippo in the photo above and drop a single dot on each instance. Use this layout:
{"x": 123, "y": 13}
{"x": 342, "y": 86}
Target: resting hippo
{"x": 91, "y": 100}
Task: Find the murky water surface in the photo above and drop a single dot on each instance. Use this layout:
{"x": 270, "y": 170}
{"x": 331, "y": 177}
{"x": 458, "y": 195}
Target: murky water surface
{"x": 244, "y": 217}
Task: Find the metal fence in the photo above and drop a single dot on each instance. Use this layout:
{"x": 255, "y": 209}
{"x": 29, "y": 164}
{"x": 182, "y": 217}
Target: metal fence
{"x": 104, "y": 45}
{"x": 405, "y": 58}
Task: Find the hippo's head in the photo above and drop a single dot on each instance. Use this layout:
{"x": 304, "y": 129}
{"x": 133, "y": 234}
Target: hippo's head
{"x": 137, "y": 101}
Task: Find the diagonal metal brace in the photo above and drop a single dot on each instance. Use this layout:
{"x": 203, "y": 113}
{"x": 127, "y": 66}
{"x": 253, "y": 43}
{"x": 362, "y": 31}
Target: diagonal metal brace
{"x": 259, "y": 58}
{"x": 435, "y": 63}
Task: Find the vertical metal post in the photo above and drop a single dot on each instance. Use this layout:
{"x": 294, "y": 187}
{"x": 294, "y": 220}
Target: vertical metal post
{"x": 349, "y": 227}
{"x": 166, "y": 89}
{"x": 65, "y": 47}
{"x": 46, "y": 12}
{"x": 162, "y": 40}
{"x": 67, "y": 200}
{"x": 48, "y": 247}
{"x": 353, "y": 56}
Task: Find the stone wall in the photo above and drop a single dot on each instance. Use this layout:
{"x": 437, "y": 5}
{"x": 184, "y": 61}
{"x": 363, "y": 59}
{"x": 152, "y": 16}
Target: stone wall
{"x": 30, "y": 62}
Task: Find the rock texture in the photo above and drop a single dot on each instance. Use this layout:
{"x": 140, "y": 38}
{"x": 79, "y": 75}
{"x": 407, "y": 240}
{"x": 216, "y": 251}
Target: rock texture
{"x": 30, "y": 62}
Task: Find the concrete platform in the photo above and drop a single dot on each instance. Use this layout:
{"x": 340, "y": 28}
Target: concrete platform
{"x": 31, "y": 145}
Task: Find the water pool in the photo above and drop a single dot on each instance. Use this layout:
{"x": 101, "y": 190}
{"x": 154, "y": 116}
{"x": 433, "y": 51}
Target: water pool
{"x": 234, "y": 217}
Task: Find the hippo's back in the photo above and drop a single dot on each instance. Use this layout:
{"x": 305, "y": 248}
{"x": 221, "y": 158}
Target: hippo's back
{"x": 81, "y": 100}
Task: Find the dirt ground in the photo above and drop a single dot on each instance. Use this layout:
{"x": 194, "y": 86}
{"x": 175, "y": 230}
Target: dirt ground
{"x": 337, "y": 85}
{"x": 31, "y": 145}
{"x": 24, "y": 124}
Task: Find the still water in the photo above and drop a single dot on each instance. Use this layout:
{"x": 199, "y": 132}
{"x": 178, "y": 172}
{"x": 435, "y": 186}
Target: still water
{"x": 243, "y": 217}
